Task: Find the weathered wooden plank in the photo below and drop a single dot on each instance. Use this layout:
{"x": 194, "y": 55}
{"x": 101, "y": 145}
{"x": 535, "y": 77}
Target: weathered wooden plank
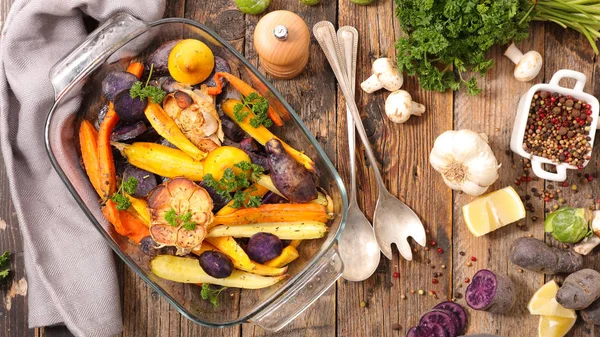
{"x": 403, "y": 151}
{"x": 566, "y": 49}
{"x": 311, "y": 94}
{"x": 492, "y": 112}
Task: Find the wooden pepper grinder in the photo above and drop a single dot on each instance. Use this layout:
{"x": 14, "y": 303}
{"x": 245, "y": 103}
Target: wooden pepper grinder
{"x": 281, "y": 39}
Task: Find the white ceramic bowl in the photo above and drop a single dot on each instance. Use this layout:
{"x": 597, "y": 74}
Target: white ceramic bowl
{"x": 520, "y": 126}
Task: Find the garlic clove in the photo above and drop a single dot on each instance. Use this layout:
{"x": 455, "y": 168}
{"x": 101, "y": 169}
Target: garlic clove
{"x": 466, "y": 144}
{"x": 473, "y": 189}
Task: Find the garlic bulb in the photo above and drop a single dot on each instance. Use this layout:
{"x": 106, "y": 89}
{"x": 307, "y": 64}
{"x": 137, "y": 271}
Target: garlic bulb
{"x": 465, "y": 161}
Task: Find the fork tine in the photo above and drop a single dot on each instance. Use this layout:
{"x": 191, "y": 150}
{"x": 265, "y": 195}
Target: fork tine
{"x": 404, "y": 249}
{"x": 418, "y": 234}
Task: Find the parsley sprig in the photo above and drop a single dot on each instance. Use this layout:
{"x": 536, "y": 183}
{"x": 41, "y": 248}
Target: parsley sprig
{"x": 185, "y": 219}
{"x": 210, "y": 294}
{"x": 143, "y": 91}
{"x": 4, "y": 266}
{"x": 234, "y": 183}
{"x": 259, "y": 107}
{"x": 127, "y": 187}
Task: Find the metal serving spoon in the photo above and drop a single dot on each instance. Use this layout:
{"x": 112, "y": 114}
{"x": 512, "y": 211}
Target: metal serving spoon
{"x": 393, "y": 221}
{"x": 357, "y": 244}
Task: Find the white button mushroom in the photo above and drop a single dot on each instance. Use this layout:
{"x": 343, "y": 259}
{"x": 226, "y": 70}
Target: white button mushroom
{"x": 528, "y": 64}
{"x": 385, "y": 75}
{"x": 588, "y": 244}
{"x": 399, "y": 106}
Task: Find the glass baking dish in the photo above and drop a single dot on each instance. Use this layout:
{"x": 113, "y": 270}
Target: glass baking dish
{"x": 76, "y": 80}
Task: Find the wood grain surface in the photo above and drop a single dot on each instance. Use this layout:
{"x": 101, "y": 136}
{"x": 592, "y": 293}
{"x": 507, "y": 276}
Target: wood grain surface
{"x": 383, "y": 305}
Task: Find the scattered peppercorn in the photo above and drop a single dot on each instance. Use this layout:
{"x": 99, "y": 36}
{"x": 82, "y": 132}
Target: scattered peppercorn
{"x": 403, "y": 297}
{"x": 440, "y": 250}
{"x": 520, "y": 270}
{"x": 396, "y": 274}
{"x": 421, "y": 292}
{"x": 396, "y": 326}
{"x": 435, "y": 281}
{"x": 469, "y": 263}
{"x": 444, "y": 266}
{"x": 473, "y": 258}
{"x": 467, "y": 280}
{"x": 461, "y": 253}
{"x": 363, "y": 304}
{"x": 433, "y": 243}
{"x": 412, "y": 291}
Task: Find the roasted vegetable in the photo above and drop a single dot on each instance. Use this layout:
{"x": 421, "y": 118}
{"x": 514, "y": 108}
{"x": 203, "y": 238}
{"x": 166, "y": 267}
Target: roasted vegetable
{"x": 140, "y": 206}
{"x": 161, "y": 160}
{"x": 146, "y": 181}
{"x": 128, "y": 108}
{"x": 167, "y": 128}
{"x": 273, "y": 213}
{"x": 216, "y": 264}
{"x": 106, "y": 164}
{"x": 232, "y": 130}
{"x": 459, "y": 312}
{"x": 253, "y": 190}
{"x": 256, "y": 152}
{"x": 290, "y": 177}
{"x": 263, "y": 135}
{"x": 591, "y": 314}
{"x": 180, "y": 210}
{"x": 568, "y": 224}
{"x": 199, "y": 121}
{"x": 218, "y": 200}
{"x": 229, "y": 247}
{"x": 88, "y": 141}
{"x": 490, "y": 292}
{"x": 245, "y": 90}
{"x": 284, "y": 230}
{"x": 128, "y": 132}
{"x": 272, "y": 198}
{"x": 117, "y": 81}
{"x": 149, "y": 247}
{"x": 222, "y": 158}
{"x": 190, "y": 61}
{"x": 442, "y": 318}
{"x": 579, "y": 290}
{"x": 287, "y": 256}
{"x": 263, "y": 247}
{"x": 533, "y": 254}
{"x": 136, "y": 68}
{"x": 160, "y": 58}
{"x": 125, "y": 223}
{"x": 220, "y": 66}
{"x": 188, "y": 270}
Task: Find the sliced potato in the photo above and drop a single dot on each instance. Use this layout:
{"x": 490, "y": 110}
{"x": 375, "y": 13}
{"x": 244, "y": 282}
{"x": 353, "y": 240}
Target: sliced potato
{"x": 284, "y": 230}
{"x": 186, "y": 270}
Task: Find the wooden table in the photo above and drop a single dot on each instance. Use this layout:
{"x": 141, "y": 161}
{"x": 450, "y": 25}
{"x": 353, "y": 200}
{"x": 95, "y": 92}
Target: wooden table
{"x": 388, "y": 308}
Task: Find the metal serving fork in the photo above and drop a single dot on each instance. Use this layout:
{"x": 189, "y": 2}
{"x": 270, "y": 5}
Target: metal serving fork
{"x": 393, "y": 221}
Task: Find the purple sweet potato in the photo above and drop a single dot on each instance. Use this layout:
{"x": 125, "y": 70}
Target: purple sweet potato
{"x": 457, "y": 310}
{"x": 291, "y": 178}
{"x": 533, "y": 254}
{"x": 579, "y": 290}
{"x": 431, "y": 330}
{"x": 591, "y": 314}
{"x": 490, "y": 292}
{"x": 441, "y": 318}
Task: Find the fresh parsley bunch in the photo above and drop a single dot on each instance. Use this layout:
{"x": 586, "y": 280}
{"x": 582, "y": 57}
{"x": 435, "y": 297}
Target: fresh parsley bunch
{"x": 4, "y": 266}
{"x": 120, "y": 196}
{"x": 231, "y": 182}
{"x": 447, "y": 38}
{"x": 258, "y": 105}
{"x": 211, "y": 295}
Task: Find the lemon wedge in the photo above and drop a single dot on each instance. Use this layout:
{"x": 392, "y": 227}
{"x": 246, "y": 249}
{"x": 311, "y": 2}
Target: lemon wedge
{"x": 552, "y": 326}
{"x": 544, "y": 303}
{"x": 494, "y": 210}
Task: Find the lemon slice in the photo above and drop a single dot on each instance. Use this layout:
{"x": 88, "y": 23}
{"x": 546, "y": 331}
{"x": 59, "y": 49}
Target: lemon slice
{"x": 552, "y": 326}
{"x": 492, "y": 211}
{"x": 544, "y": 303}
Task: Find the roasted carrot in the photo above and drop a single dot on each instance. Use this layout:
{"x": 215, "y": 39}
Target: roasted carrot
{"x": 263, "y": 135}
{"x": 106, "y": 163}
{"x": 136, "y": 228}
{"x": 136, "y": 68}
{"x": 112, "y": 215}
{"x": 88, "y": 140}
{"x": 273, "y": 213}
{"x": 244, "y": 88}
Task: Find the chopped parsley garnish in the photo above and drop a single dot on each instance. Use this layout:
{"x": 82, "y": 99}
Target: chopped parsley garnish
{"x": 185, "y": 219}
{"x": 210, "y": 294}
{"x": 4, "y": 266}
{"x": 259, "y": 107}
{"x": 234, "y": 183}
{"x": 127, "y": 187}
{"x": 143, "y": 91}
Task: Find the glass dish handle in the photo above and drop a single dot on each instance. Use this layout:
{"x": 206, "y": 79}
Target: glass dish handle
{"x": 302, "y": 294}
{"x": 103, "y": 41}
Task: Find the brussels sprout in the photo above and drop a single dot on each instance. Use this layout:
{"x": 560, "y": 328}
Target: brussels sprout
{"x": 568, "y": 224}
{"x": 253, "y": 7}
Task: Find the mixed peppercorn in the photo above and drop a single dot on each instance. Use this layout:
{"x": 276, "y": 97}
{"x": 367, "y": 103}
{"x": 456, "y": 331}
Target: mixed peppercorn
{"x": 558, "y": 128}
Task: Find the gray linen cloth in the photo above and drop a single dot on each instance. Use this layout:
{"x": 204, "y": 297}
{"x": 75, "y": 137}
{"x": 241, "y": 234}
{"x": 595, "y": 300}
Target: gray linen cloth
{"x": 70, "y": 270}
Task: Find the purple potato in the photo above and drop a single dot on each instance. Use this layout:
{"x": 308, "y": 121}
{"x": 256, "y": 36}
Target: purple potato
{"x": 459, "y": 312}
{"x": 148, "y": 246}
{"x": 432, "y": 330}
{"x": 146, "y": 180}
{"x": 263, "y": 247}
{"x": 129, "y": 109}
{"x": 101, "y": 115}
{"x": 160, "y": 59}
{"x": 250, "y": 145}
{"x": 272, "y": 198}
{"x": 290, "y": 177}
{"x": 128, "y": 132}
{"x": 117, "y": 81}
{"x": 120, "y": 162}
{"x": 490, "y": 292}
{"x": 218, "y": 200}
{"x": 533, "y": 254}
{"x": 286, "y": 243}
{"x": 440, "y": 318}
{"x": 231, "y": 129}
{"x": 216, "y": 264}
{"x": 169, "y": 85}
{"x": 256, "y": 153}
{"x": 150, "y": 135}
{"x": 579, "y": 290}
{"x": 591, "y": 314}
{"x": 220, "y": 66}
